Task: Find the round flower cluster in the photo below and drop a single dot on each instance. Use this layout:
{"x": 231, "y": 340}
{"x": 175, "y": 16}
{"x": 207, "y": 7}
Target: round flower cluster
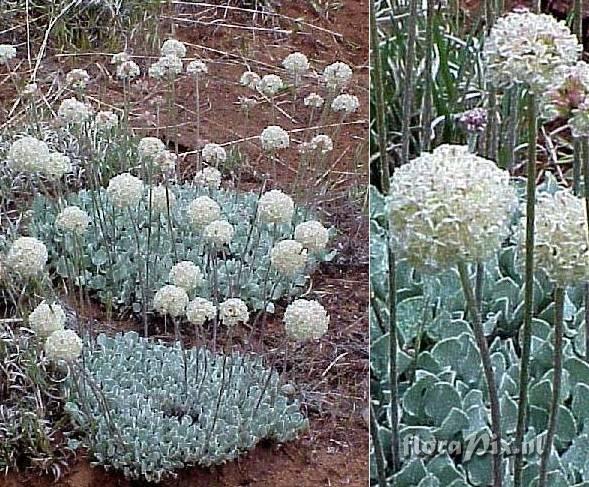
{"x": 345, "y": 103}
{"x": 165, "y": 161}
{"x": 274, "y": 137}
{"x": 63, "y": 345}
{"x": 150, "y": 147}
{"x": 72, "y": 219}
{"x": 306, "y": 320}
{"x": 196, "y": 68}
{"x": 27, "y": 256}
{"x": 171, "y": 300}
{"x": 275, "y": 207}
{"x": 125, "y": 190}
{"x": 78, "y": 78}
{"x": 321, "y": 143}
{"x": 28, "y": 154}
{"x": 524, "y": 47}
{"x": 120, "y": 58}
{"x": 288, "y": 257}
{"x": 166, "y": 67}
{"x": 314, "y": 101}
{"x": 312, "y": 235}
{"x": 186, "y": 275}
{"x": 106, "y": 120}
{"x": 208, "y": 177}
{"x": 337, "y": 76}
{"x": 247, "y": 104}
{"x": 200, "y": 310}
{"x": 474, "y": 120}
{"x": 250, "y": 79}
{"x": 172, "y": 47}
{"x": 160, "y": 198}
{"x": 74, "y": 111}
{"x": 219, "y": 232}
{"x": 568, "y": 97}
{"x": 203, "y": 210}
{"x": 56, "y": 166}
{"x": 296, "y": 64}
{"x": 7, "y": 52}
{"x": 270, "y": 84}
{"x": 128, "y": 70}
{"x": 214, "y": 154}
{"x": 47, "y": 318}
{"x": 232, "y": 311}
{"x": 449, "y": 205}
{"x": 561, "y": 245}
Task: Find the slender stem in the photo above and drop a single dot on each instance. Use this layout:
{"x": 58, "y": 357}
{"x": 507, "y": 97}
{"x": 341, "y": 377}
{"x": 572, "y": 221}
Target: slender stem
{"x": 377, "y": 82}
{"x": 578, "y": 19}
{"x": 512, "y": 125}
{"x": 585, "y": 152}
{"x": 378, "y": 451}
{"x": 408, "y": 88}
{"x": 577, "y": 163}
{"x": 556, "y": 383}
{"x": 492, "y": 126}
{"x": 528, "y": 292}
{"x": 394, "y": 409}
{"x": 487, "y": 368}
{"x": 427, "y": 94}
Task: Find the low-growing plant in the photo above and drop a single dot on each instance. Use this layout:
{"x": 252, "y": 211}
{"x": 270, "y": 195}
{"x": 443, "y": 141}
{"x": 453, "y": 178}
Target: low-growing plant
{"x": 149, "y": 409}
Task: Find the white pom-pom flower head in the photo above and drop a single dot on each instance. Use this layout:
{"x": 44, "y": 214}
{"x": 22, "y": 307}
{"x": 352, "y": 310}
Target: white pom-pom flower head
{"x": 233, "y": 311}
{"x": 214, "y": 154}
{"x": 337, "y": 76}
{"x": 171, "y": 300}
{"x": 250, "y": 80}
{"x": 306, "y": 320}
{"x": 78, "y": 78}
{"x": 270, "y": 84}
{"x": 27, "y": 257}
{"x": 208, "y": 177}
{"x": 161, "y": 197}
{"x": 296, "y": 65}
{"x": 47, "y": 318}
{"x": 125, "y": 190}
{"x": 275, "y": 207}
{"x": 312, "y": 235}
{"x": 288, "y": 257}
{"x": 173, "y": 47}
{"x": 73, "y": 111}
{"x": 63, "y": 345}
{"x": 72, "y": 219}
{"x": 274, "y": 138}
{"x": 219, "y": 233}
{"x": 202, "y": 211}
{"x": 200, "y": 310}
{"x": 7, "y": 52}
{"x": 449, "y": 206}
{"x": 28, "y": 154}
{"x": 345, "y": 103}
{"x": 186, "y": 274}
{"x": 527, "y": 48}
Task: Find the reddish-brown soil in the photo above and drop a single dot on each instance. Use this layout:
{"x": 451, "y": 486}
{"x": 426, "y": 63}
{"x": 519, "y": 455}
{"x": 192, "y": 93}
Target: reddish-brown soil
{"x": 331, "y": 376}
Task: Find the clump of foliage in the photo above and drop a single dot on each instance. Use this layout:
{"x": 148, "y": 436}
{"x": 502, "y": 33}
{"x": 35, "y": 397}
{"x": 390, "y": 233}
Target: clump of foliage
{"x": 150, "y": 408}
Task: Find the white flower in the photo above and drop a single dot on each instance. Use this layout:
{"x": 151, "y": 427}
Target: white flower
{"x": 337, "y": 76}
{"x": 78, "y": 78}
{"x": 200, "y": 310}
{"x": 27, "y": 256}
{"x": 56, "y": 166}
{"x": 322, "y": 143}
{"x": 274, "y": 138}
{"x": 196, "y": 68}
{"x": 74, "y": 111}
{"x": 219, "y": 232}
{"x": 172, "y": 47}
{"x": 120, "y": 58}
{"x": 166, "y": 67}
{"x": 63, "y": 345}
{"x": 160, "y": 198}
{"x": 561, "y": 246}
{"x": 314, "y": 101}
{"x": 165, "y": 161}
{"x": 232, "y": 311}
{"x": 250, "y": 79}
{"x": 524, "y": 47}
{"x": 247, "y": 104}
{"x": 312, "y": 235}
{"x": 208, "y": 177}
{"x": 202, "y": 211}
{"x": 306, "y": 320}
{"x": 125, "y": 190}
{"x": 150, "y": 147}
{"x": 288, "y": 257}
{"x": 296, "y": 64}
{"x": 128, "y": 70}
{"x": 28, "y": 154}
{"x": 275, "y": 207}
{"x": 449, "y": 206}
{"x": 47, "y": 318}
{"x": 186, "y": 275}
{"x": 7, "y": 52}
{"x": 214, "y": 154}
{"x": 72, "y": 219}
{"x": 106, "y": 120}
{"x": 270, "y": 84}
{"x": 171, "y": 300}
{"x": 345, "y": 103}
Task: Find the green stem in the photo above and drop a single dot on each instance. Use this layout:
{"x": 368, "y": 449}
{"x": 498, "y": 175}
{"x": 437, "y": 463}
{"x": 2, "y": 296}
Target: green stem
{"x": 556, "y": 383}
{"x": 427, "y": 95}
{"x": 408, "y": 87}
{"x": 481, "y": 340}
{"x": 585, "y": 146}
{"x": 394, "y": 404}
{"x": 378, "y": 451}
{"x": 528, "y": 292}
